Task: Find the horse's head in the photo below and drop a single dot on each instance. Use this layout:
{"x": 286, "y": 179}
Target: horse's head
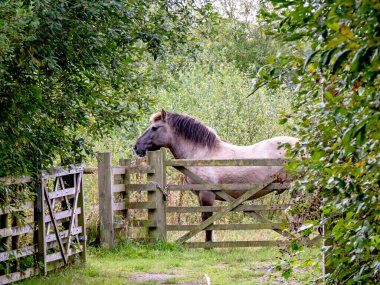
{"x": 158, "y": 135}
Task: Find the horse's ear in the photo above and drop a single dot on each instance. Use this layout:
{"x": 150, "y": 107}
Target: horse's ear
{"x": 163, "y": 115}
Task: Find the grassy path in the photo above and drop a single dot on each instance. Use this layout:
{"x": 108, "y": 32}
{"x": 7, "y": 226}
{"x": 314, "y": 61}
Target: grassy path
{"x": 171, "y": 264}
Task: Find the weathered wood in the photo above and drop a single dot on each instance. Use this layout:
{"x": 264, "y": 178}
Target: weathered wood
{"x": 11, "y": 209}
{"x": 126, "y": 180}
{"x": 41, "y": 236}
{"x": 158, "y": 178}
{"x": 195, "y": 178}
{"x": 57, "y": 256}
{"x": 228, "y": 208}
{"x": 137, "y": 223}
{"x": 227, "y": 244}
{"x": 18, "y": 230}
{"x": 140, "y": 187}
{"x": 225, "y": 187}
{"x": 134, "y": 205}
{"x": 226, "y": 162}
{"x": 60, "y": 171}
{"x": 63, "y": 215}
{"x": 17, "y": 253}
{"x": 261, "y": 219}
{"x": 77, "y": 186}
{"x": 56, "y": 230}
{"x": 141, "y": 169}
{"x": 63, "y": 234}
{"x": 82, "y": 221}
{"x": 241, "y": 208}
{"x": 17, "y": 276}
{"x": 61, "y": 193}
{"x": 260, "y": 226}
{"x": 105, "y": 199}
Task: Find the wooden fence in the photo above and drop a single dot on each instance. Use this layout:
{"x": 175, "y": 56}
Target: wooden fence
{"x": 116, "y": 180}
{"x": 46, "y": 233}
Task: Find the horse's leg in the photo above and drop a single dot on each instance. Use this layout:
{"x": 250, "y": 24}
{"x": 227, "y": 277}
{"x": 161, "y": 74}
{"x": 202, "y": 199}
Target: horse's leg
{"x": 207, "y": 198}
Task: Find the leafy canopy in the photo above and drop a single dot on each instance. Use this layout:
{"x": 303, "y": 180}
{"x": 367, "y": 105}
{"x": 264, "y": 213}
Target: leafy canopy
{"x": 71, "y": 70}
{"x": 331, "y": 60}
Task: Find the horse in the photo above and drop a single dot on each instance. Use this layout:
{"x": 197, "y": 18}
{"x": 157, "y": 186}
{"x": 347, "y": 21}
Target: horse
{"x": 188, "y": 138}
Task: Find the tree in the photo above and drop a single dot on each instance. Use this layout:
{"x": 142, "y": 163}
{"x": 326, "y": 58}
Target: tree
{"x": 332, "y": 62}
{"x": 73, "y": 69}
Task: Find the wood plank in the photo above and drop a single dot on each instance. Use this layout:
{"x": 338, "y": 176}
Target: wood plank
{"x": 140, "y": 187}
{"x": 63, "y": 234}
{"x": 136, "y": 223}
{"x": 134, "y": 205}
{"x": 17, "y": 253}
{"x": 218, "y": 215}
{"x": 157, "y": 215}
{"x": 227, "y": 244}
{"x": 141, "y": 169}
{"x": 18, "y": 208}
{"x": 261, "y": 226}
{"x": 241, "y": 208}
{"x": 226, "y": 187}
{"x": 57, "y": 256}
{"x": 56, "y": 230}
{"x": 226, "y": 162}
{"x": 105, "y": 171}
{"x": 16, "y": 231}
{"x": 61, "y": 193}
{"x": 16, "y": 276}
{"x": 62, "y": 215}
{"x": 60, "y": 171}
{"x": 117, "y": 188}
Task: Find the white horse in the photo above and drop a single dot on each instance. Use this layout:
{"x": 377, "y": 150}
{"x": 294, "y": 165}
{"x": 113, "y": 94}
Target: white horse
{"x": 188, "y": 138}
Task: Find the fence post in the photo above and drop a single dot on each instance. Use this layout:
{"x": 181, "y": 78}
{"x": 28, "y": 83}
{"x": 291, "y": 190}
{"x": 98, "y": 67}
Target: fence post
{"x": 126, "y": 180}
{"x": 105, "y": 199}
{"x": 82, "y": 218}
{"x": 41, "y": 233}
{"x": 157, "y": 216}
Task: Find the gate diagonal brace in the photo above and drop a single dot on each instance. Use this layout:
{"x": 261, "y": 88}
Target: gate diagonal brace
{"x": 232, "y": 205}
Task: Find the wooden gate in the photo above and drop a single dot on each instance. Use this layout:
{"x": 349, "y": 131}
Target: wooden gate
{"x": 157, "y": 208}
{"x": 46, "y": 233}
{"x": 232, "y": 204}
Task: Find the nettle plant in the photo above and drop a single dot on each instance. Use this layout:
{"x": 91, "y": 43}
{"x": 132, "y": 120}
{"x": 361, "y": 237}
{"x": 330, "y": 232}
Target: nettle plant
{"x": 331, "y": 60}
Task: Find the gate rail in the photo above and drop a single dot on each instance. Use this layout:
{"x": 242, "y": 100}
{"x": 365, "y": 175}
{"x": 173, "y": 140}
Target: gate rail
{"x": 114, "y": 180}
{"x": 44, "y": 234}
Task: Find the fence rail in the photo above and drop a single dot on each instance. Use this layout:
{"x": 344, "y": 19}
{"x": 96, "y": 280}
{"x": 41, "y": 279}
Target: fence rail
{"x": 44, "y": 234}
{"x": 116, "y": 180}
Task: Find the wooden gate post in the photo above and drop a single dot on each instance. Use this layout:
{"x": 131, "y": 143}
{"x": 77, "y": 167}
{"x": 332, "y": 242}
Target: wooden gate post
{"x": 105, "y": 199}
{"x": 41, "y": 233}
{"x": 157, "y": 216}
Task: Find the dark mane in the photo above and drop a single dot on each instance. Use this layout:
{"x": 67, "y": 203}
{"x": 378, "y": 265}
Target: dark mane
{"x": 191, "y": 129}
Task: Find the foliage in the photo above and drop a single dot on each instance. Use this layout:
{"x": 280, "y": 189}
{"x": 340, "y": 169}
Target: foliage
{"x": 72, "y": 70}
{"x": 333, "y": 63}
{"x": 215, "y": 91}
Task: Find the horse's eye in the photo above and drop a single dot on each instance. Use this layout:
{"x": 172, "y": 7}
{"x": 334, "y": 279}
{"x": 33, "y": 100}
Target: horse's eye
{"x": 154, "y": 128}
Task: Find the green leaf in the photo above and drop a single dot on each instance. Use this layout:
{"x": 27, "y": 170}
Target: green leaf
{"x": 308, "y": 59}
{"x": 339, "y": 60}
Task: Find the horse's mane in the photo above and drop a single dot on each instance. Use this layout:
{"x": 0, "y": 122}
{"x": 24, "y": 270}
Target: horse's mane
{"x": 189, "y": 128}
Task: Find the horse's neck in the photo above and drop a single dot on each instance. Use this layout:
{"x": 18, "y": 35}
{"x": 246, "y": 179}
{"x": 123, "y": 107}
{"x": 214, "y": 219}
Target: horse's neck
{"x": 184, "y": 149}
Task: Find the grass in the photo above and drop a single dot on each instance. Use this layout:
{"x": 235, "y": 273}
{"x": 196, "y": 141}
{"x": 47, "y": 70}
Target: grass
{"x": 169, "y": 263}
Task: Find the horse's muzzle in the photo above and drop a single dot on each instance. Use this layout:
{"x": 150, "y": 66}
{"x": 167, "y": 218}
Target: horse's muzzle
{"x": 139, "y": 152}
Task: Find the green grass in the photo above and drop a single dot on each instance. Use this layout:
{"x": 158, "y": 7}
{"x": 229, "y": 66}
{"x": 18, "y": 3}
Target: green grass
{"x": 168, "y": 263}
